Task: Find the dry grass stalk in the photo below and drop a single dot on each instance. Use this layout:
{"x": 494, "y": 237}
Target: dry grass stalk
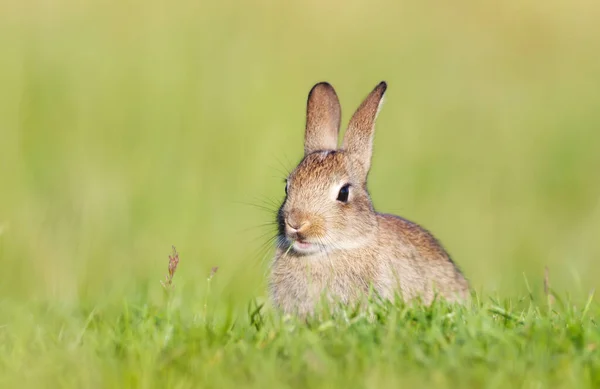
{"x": 173, "y": 262}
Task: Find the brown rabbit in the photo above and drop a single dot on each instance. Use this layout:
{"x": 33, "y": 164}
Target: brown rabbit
{"x": 331, "y": 242}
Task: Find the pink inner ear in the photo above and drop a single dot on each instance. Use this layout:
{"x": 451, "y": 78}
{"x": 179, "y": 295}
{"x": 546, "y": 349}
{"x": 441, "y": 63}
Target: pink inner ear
{"x": 323, "y": 115}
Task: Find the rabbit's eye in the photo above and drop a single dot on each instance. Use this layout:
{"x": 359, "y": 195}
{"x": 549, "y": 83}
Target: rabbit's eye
{"x": 344, "y": 192}
{"x": 286, "y": 187}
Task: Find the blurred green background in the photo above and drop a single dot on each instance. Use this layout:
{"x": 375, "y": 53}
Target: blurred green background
{"x": 130, "y": 126}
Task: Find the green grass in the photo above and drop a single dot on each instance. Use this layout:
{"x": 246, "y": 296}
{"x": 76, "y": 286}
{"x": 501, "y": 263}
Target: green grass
{"x": 522, "y": 344}
{"x": 130, "y": 126}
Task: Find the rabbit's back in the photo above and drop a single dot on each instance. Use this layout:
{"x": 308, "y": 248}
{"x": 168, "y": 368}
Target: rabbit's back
{"x": 419, "y": 265}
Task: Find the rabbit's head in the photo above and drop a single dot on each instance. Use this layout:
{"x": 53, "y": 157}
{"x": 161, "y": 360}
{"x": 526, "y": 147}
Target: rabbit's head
{"x": 327, "y": 206}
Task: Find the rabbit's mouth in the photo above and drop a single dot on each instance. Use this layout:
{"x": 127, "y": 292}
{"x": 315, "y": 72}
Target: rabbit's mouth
{"x": 304, "y": 247}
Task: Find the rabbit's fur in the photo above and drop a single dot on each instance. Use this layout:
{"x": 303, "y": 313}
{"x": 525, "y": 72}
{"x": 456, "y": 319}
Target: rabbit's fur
{"x": 341, "y": 249}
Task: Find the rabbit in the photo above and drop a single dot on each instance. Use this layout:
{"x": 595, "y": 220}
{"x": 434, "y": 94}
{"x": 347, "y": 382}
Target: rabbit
{"x": 331, "y": 242}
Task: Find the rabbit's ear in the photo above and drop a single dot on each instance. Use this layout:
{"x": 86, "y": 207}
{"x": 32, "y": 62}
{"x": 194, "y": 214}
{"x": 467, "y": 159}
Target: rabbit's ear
{"x": 358, "y": 141}
{"x": 323, "y": 115}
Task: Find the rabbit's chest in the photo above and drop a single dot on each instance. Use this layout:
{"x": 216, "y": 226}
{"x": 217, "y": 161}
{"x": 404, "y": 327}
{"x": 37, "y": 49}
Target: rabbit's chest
{"x": 298, "y": 286}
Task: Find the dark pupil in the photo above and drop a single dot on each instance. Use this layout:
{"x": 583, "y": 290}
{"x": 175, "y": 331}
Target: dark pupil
{"x": 344, "y": 192}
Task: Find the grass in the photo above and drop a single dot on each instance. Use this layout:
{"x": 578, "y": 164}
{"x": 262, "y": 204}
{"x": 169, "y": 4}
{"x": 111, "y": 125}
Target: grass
{"x": 487, "y": 344}
{"x": 130, "y": 126}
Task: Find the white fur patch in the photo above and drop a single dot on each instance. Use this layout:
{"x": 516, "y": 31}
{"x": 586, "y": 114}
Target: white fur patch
{"x": 379, "y": 106}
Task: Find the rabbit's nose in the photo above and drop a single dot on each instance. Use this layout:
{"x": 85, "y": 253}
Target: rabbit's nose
{"x": 297, "y": 226}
